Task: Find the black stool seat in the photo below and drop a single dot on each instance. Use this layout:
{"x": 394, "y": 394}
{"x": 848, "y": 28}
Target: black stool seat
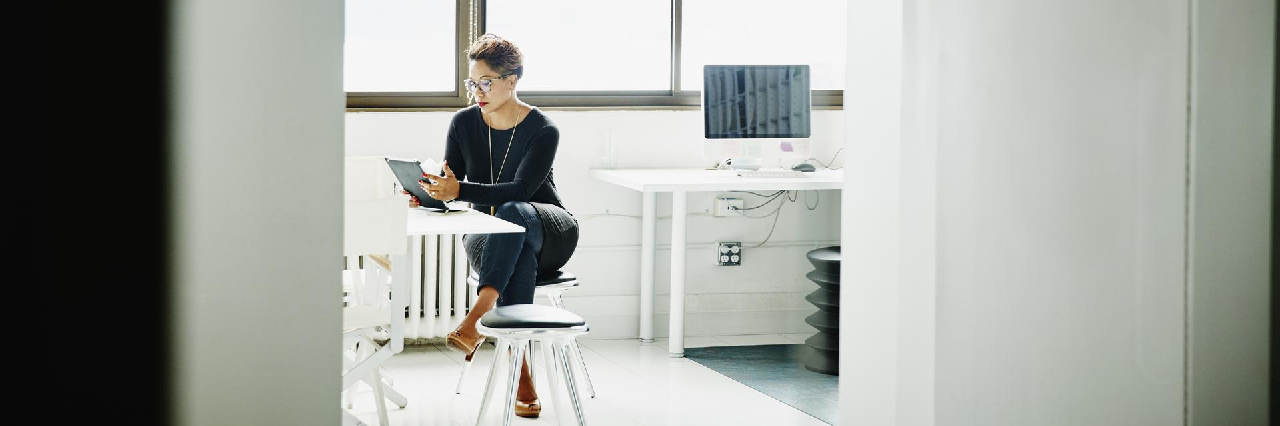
{"x": 530, "y": 316}
{"x": 557, "y": 277}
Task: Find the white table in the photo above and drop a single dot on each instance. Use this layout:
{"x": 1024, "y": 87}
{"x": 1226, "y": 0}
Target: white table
{"x": 426, "y": 222}
{"x": 679, "y": 182}
{"x": 423, "y": 222}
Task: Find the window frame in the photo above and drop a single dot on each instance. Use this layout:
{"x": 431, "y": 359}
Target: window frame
{"x": 470, "y": 24}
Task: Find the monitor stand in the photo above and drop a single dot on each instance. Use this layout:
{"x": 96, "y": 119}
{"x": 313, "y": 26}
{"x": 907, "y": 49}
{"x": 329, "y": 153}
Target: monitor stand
{"x": 744, "y": 163}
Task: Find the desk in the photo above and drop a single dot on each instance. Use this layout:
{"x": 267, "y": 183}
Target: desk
{"x": 679, "y": 182}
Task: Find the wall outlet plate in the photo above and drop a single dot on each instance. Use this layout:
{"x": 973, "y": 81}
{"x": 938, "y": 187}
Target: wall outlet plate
{"x": 729, "y": 253}
{"x": 729, "y": 206}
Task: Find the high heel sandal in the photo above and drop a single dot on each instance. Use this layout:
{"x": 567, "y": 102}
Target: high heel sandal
{"x": 455, "y": 341}
{"x": 529, "y": 409}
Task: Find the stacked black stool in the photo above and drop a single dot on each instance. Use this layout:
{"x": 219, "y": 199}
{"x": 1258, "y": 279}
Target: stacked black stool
{"x": 823, "y": 354}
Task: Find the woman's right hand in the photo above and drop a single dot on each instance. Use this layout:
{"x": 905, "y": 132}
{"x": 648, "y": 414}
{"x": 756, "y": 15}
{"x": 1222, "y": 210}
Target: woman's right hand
{"x": 413, "y": 201}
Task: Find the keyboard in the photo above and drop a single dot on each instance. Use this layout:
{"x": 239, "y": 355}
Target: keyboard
{"x": 771, "y": 173}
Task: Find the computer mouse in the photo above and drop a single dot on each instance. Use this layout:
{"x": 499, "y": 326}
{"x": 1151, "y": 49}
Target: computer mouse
{"x": 803, "y": 167}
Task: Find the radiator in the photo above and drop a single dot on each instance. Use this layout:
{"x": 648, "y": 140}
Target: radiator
{"x": 438, "y": 296}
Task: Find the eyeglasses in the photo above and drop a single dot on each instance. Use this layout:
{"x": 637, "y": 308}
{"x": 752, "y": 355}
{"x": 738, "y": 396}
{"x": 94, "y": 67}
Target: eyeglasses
{"x": 485, "y": 84}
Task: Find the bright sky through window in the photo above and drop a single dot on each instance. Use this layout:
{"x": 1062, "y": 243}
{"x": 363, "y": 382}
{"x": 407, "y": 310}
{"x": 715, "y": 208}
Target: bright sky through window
{"x": 764, "y": 32}
{"x": 588, "y": 44}
{"x": 399, "y": 46}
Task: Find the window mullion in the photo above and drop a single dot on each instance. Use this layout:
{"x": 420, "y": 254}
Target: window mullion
{"x": 676, "y": 24}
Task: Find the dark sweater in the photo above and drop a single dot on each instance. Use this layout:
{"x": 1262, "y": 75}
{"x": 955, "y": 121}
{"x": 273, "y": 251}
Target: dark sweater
{"x": 527, "y": 175}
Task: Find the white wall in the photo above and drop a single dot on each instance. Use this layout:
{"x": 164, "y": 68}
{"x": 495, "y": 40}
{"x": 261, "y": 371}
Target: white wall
{"x": 257, "y": 218}
{"x": 1233, "y": 71}
{"x": 1099, "y": 255}
{"x": 872, "y": 257}
{"x": 1061, "y": 212}
{"x": 764, "y": 295}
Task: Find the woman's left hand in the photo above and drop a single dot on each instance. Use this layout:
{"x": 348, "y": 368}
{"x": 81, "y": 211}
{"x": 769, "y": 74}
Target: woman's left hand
{"x": 443, "y": 188}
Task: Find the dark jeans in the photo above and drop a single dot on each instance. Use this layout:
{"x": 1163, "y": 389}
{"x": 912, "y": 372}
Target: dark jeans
{"x": 508, "y": 262}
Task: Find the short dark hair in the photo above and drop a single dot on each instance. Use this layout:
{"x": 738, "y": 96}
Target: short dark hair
{"x": 501, "y": 55}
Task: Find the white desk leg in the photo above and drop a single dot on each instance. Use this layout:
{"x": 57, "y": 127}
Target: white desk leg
{"x": 679, "y": 216}
{"x": 649, "y": 215}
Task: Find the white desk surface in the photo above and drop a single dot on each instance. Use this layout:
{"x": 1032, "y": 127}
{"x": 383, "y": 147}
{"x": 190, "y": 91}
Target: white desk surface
{"x": 426, "y": 222}
{"x": 668, "y": 180}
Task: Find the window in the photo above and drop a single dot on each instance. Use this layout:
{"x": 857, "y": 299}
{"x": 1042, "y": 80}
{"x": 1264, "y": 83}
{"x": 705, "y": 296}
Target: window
{"x": 399, "y": 46}
{"x": 582, "y": 45}
{"x": 729, "y": 32}
{"x": 584, "y": 53}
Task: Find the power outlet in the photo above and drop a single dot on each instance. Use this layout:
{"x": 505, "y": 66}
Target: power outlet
{"x": 729, "y": 254}
{"x": 729, "y": 207}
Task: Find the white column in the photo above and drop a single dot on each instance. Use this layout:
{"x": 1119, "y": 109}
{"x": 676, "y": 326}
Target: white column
{"x": 649, "y": 213}
{"x": 678, "y": 218}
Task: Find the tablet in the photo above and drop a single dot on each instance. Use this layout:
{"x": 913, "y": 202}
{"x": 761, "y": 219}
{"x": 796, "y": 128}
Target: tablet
{"x": 409, "y": 173}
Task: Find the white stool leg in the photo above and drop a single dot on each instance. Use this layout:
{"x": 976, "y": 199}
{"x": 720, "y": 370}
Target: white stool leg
{"x": 553, "y": 296}
{"x": 577, "y": 355}
{"x": 562, "y": 349}
{"x": 528, "y": 360}
{"x": 466, "y": 366}
{"x": 557, "y": 300}
{"x": 552, "y": 361}
{"x": 517, "y": 355}
{"x": 493, "y": 377}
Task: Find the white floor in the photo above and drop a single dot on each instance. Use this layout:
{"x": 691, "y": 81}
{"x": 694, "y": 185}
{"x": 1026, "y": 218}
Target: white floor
{"x": 636, "y": 384}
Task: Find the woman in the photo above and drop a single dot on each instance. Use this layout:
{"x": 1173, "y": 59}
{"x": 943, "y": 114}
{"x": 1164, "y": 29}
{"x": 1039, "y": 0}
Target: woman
{"x": 504, "y": 148}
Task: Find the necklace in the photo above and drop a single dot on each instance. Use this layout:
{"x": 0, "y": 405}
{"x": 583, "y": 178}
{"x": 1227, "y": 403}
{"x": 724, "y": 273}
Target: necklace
{"x": 492, "y": 179}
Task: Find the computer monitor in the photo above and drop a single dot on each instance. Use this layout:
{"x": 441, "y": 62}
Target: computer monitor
{"x": 742, "y": 104}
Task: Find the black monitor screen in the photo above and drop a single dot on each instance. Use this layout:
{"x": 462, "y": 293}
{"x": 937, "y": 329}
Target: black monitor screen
{"x": 755, "y": 101}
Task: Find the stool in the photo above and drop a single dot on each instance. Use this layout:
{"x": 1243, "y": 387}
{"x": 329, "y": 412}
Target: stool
{"x": 516, "y": 327}
{"x": 824, "y": 348}
{"x": 550, "y": 285}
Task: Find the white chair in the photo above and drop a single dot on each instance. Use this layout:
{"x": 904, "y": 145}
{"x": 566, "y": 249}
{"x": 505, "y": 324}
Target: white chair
{"x": 374, "y": 242}
{"x": 368, "y": 177}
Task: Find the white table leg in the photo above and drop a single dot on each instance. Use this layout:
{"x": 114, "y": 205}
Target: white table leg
{"x": 649, "y": 214}
{"x": 400, "y": 284}
{"x": 414, "y": 291}
{"x": 679, "y": 217}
